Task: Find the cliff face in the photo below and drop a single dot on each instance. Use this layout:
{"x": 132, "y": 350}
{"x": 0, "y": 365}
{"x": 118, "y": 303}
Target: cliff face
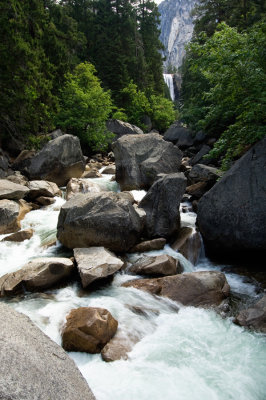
{"x": 176, "y": 29}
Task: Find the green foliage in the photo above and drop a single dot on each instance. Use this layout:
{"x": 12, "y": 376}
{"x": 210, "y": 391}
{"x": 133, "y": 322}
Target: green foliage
{"x": 119, "y": 113}
{"x": 224, "y": 89}
{"x": 84, "y": 107}
{"x": 162, "y": 113}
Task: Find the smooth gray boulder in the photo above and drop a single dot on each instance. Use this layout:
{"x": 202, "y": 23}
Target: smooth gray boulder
{"x": 203, "y": 173}
{"x": 95, "y": 263}
{"x": 38, "y": 274}
{"x": 58, "y": 161}
{"x": 161, "y": 205}
{"x": 32, "y": 366}
{"x": 121, "y": 128}
{"x": 12, "y": 191}
{"x": 179, "y": 135}
{"x": 105, "y": 219}
{"x": 254, "y": 317}
{"x": 232, "y": 215}
{"x": 43, "y": 189}
{"x": 141, "y": 158}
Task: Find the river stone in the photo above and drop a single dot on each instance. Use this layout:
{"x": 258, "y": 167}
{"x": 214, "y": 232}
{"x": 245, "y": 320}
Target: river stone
{"x": 110, "y": 170}
{"x": 161, "y": 205}
{"x": 11, "y": 213}
{"x": 118, "y": 347}
{"x": 58, "y": 161}
{"x": 106, "y": 219}
{"x": 79, "y": 185}
{"x": 140, "y": 158}
{"x": 18, "y": 178}
{"x": 148, "y": 245}
{"x": 45, "y": 201}
{"x": 121, "y": 128}
{"x": 162, "y": 265}
{"x": 95, "y": 263}
{"x": 88, "y": 329}
{"x": 232, "y": 215}
{"x": 19, "y": 236}
{"x": 198, "y": 289}
{"x": 12, "y": 191}
{"x": 254, "y": 317}
{"x": 38, "y": 274}
{"x": 32, "y": 366}
{"x": 179, "y": 135}
{"x": 43, "y": 189}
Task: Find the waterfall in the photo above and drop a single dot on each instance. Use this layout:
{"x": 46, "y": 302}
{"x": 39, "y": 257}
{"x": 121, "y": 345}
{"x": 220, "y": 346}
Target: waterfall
{"x": 168, "y": 78}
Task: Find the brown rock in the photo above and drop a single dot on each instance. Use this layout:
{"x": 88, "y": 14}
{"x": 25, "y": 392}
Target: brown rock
{"x": 78, "y": 185}
{"x": 109, "y": 170}
{"x": 11, "y": 213}
{"x": 91, "y": 173}
{"x": 254, "y": 317}
{"x": 88, "y": 329}
{"x": 197, "y": 190}
{"x": 118, "y": 347}
{"x": 45, "y": 201}
{"x": 12, "y": 191}
{"x": 39, "y": 188}
{"x": 162, "y": 265}
{"x": 19, "y": 236}
{"x": 18, "y": 178}
{"x": 199, "y": 289}
{"x": 148, "y": 245}
{"x": 38, "y": 274}
{"x": 188, "y": 243}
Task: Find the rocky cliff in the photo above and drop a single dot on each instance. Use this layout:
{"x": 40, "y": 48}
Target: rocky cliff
{"x": 176, "y": 29}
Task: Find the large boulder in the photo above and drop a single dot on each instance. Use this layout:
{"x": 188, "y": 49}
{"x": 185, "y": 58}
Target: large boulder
{"x": 11, "y": 213}
{"x": 232, "y": 215}
{"x": 43, "y": 189}
{"x": 141, "y": 158}
{"x": 162, "y": 265}
{"x": 88, "y": 329}
{"x": 58, "y": 161}
{"x": 99, "y": 219}
{"x": 79, "y": 185}
{"x": 161, "y": 205}
{"x": 203, "y": 173}
{"x": 38, "y": 274}
{"x": 254, "y": 317}
{"x": 12, "y": 191}
{"x": 199, "y": 289}
{"x": 96, "y": 263}
{"x": 179, "y": 135}
{"x": 32, "y": 366}
{"x": 121, "y": 128}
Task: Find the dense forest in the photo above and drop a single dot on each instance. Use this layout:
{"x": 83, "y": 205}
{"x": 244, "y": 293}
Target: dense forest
{"x": 224, "y": 75}
{"x": 74, "y": 63}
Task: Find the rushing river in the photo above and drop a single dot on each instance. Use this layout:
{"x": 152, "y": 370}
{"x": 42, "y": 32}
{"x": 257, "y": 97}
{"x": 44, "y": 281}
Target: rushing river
{"x": 190, "y": 354}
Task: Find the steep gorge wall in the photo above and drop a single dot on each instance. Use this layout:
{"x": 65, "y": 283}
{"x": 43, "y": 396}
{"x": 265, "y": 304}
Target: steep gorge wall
{"x": 176, "y": 29}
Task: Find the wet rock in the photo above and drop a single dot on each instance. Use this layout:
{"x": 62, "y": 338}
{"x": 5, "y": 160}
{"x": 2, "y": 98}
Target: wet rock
{"x": 109, "y": 170}
{"x": 42, "y": 189}
{"x": 91, "y": 173}
{"x": 40, "y": 368}
{"x": 148, "y": 245}
{"x": 141, "y": 158}
{"x": 254, "y": 317}
{"x": 11, "y": 213}
{"x": 20, "y": 236}
{"x": 232, "y": 215}
{"x": 179, "y": 135}
{"x": 199, "y": 156}
{"x": 96, "y": 263}
{"x": 118, "y": 347}
{"x": 106, "y": 219}
{"x": 12, "y": 191}
{"x": 79, "y": 185}
{"x": 121, "y": 128}
{"x": 162, "y": 265}
{"x": 199, "y": 289}
{"x": 197, "y": 190}
{"x": 88, "y": 329}
{"x": 188, "y": 243}
{"x": 58, "y": 161}
{"x": 45, "y": 201}
{"x": 161, "y": 205}
{"x": 38, "y": 274}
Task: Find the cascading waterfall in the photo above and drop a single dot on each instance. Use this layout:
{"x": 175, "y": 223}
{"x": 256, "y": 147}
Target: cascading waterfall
{"x": 181, "y": 353}
{"x": 168, "y": 79}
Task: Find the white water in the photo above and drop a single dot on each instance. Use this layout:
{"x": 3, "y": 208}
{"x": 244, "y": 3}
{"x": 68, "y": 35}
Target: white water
{"x": 190, "y": 354}
{"x": 168, "y": 78}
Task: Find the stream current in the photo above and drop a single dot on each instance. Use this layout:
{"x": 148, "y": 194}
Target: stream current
{"x": 185, "y": 354}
